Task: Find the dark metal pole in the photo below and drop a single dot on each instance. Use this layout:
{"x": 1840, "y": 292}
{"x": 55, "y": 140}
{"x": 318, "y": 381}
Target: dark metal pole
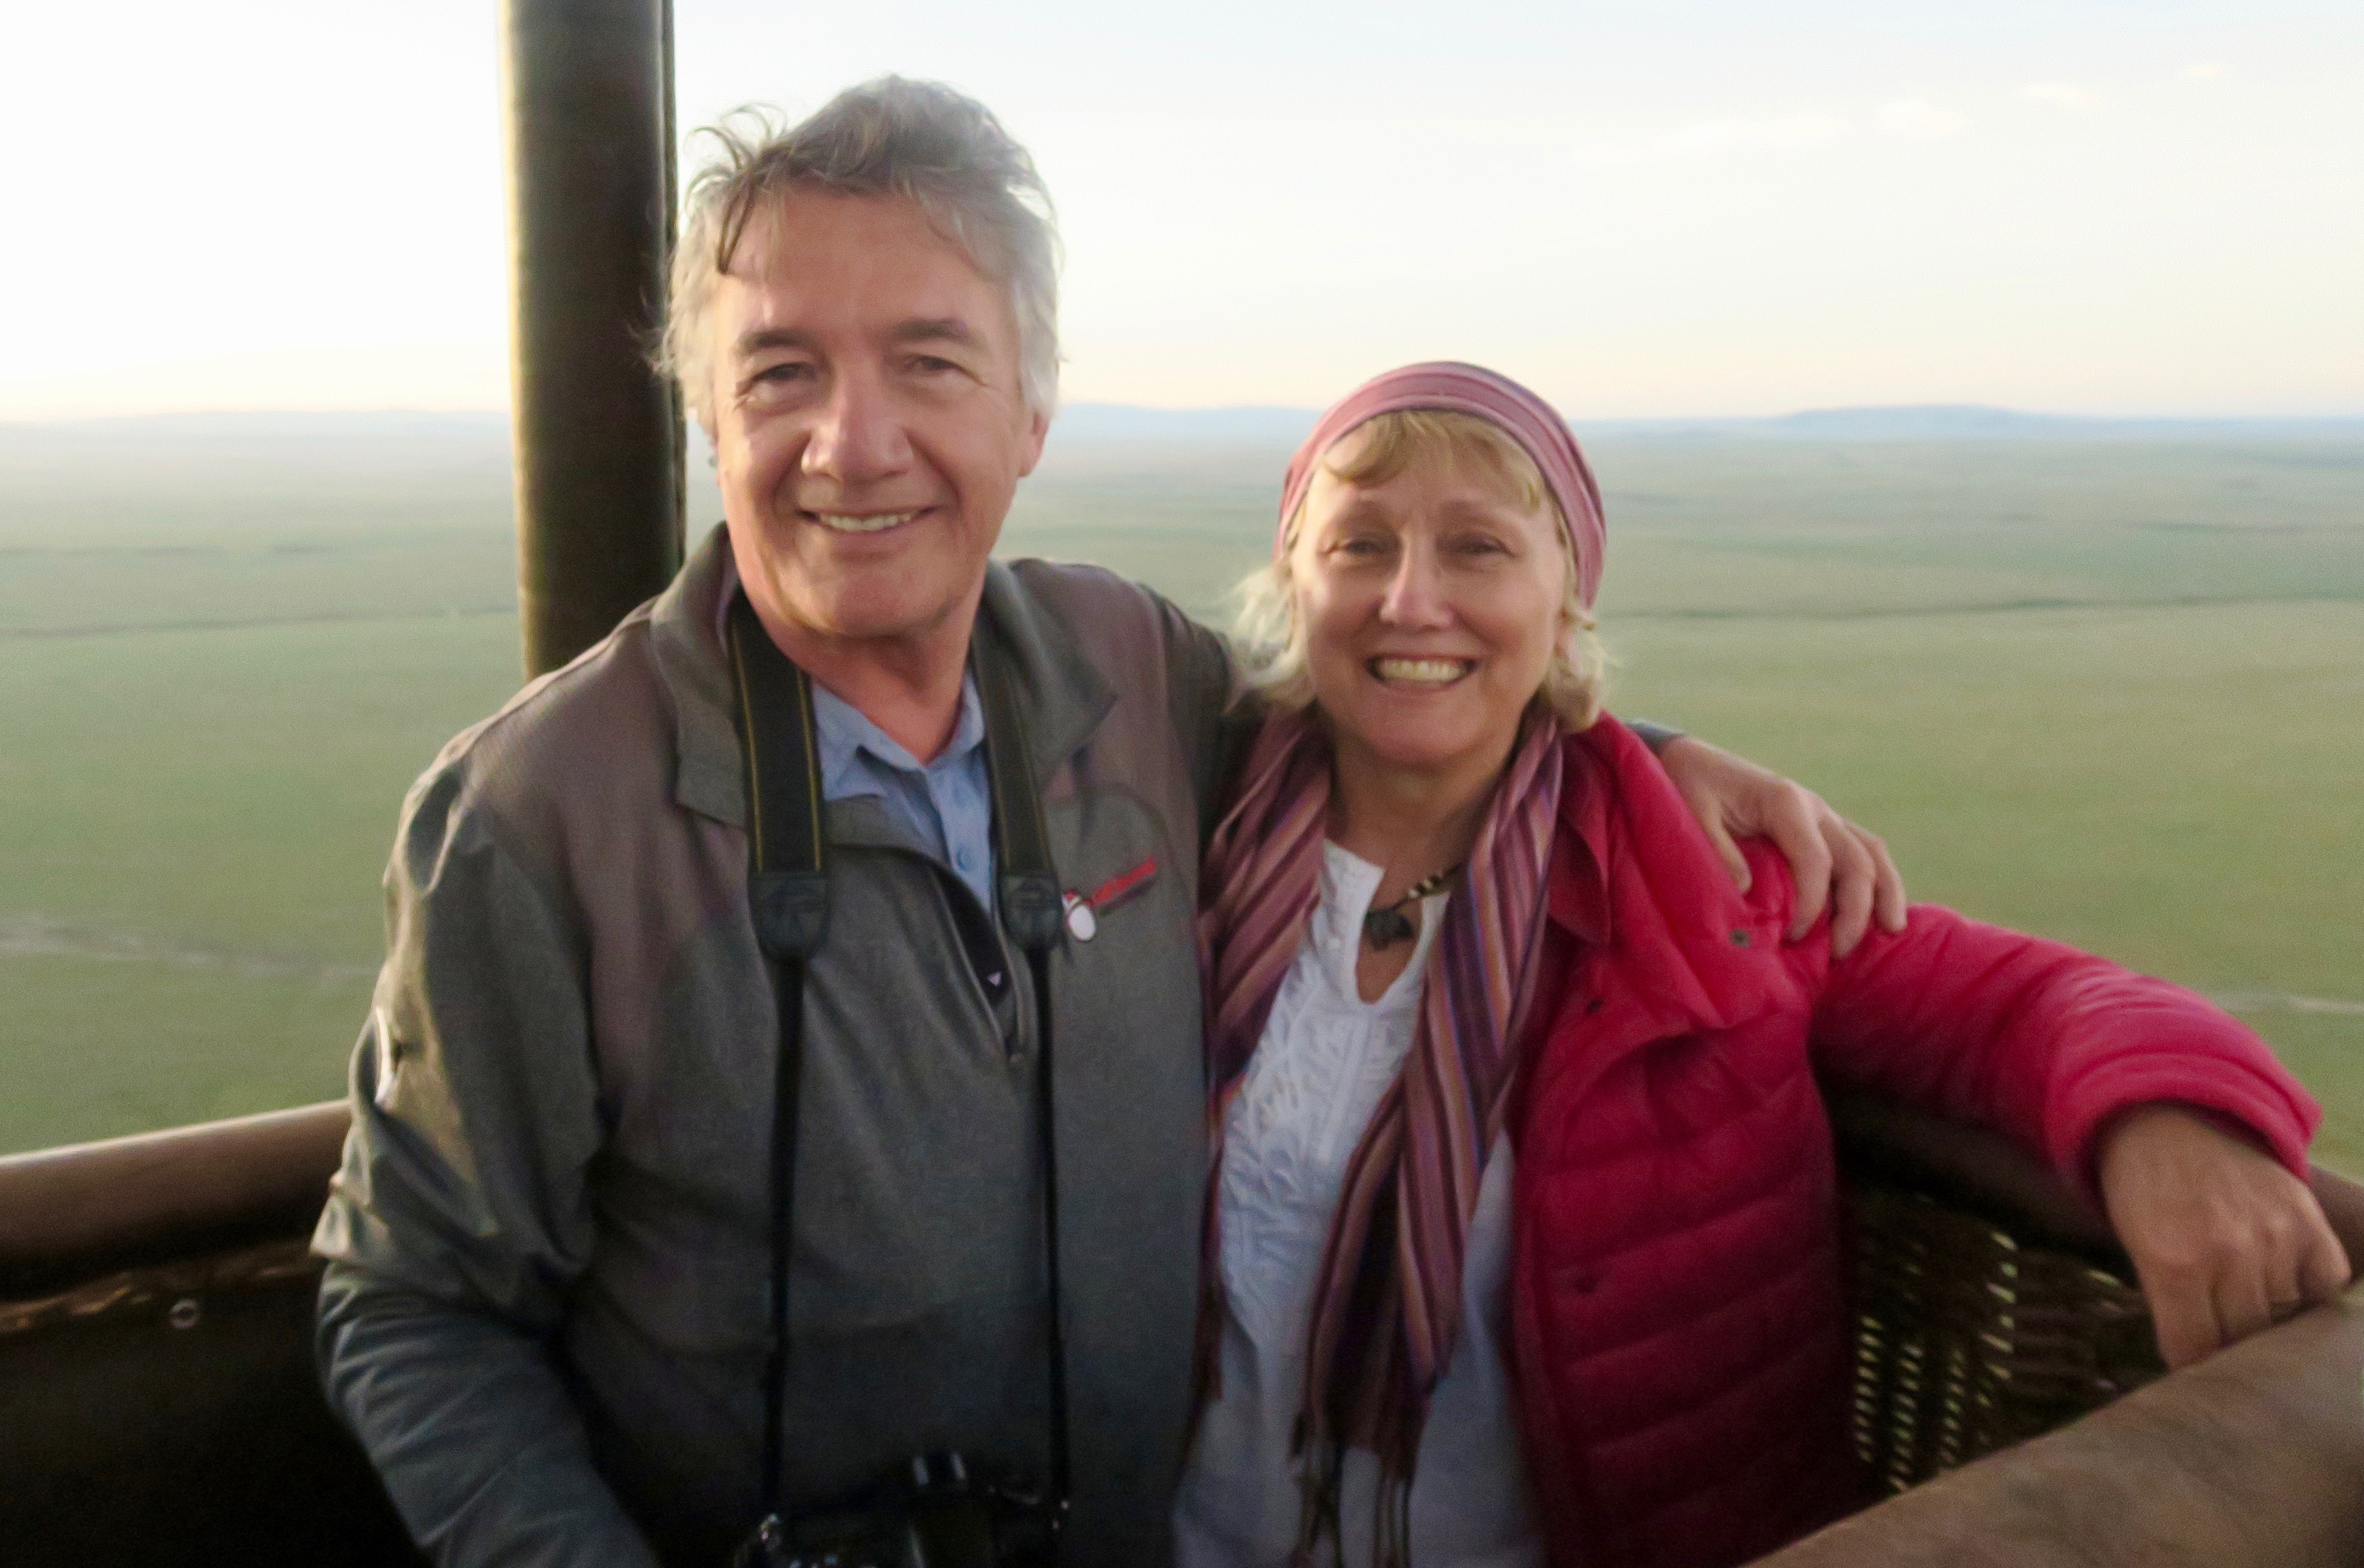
{"x": 598, "y": 439}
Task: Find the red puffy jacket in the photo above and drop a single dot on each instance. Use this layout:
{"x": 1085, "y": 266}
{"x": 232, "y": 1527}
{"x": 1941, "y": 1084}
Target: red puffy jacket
{"x": 1677, "y": 1313}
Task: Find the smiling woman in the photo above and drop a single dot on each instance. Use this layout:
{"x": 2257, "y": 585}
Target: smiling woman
{"x": 1527, "y": 1238}
{"x": 1511, "y": 528}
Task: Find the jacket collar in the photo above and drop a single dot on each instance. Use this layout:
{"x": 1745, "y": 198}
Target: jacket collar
{"x": 1064, "y": 698}
{"x": 696, "y": 681}
{"x": 1637, "y": 879}
{"x": 1578, "y": 900}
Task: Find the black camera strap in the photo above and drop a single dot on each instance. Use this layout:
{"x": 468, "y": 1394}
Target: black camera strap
{"x": 1031, "y": 914}
{"x": 787, "y": 896}
{"x": 788, "y": 892}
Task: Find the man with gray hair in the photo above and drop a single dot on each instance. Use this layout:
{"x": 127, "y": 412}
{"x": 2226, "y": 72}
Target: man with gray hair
{"x": 786, "y": 1063}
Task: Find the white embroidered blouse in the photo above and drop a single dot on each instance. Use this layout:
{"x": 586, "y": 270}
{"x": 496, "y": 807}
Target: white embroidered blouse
{"x": 1325, "y": 1057}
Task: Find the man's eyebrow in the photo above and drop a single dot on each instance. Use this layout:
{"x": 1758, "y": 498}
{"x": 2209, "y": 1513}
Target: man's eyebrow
{"x": 762, "y": 337}
{"x": 934, "y": 329}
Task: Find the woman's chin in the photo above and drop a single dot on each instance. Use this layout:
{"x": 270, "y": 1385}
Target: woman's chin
{"x": 1410, "y": 729}
{"x": 1416, "y": 749}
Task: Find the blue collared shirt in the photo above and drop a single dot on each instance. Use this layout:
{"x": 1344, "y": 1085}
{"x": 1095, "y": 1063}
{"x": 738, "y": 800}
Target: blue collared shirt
{"x": 947, "y": 803}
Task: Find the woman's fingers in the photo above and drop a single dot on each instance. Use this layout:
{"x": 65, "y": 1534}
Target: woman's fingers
{"x": 2324, "y": 1266}
{"x": 2183, "y": 1314}
{"x": 1866, "y": 885}
{"x": 1862, "y": 882}
{"x": 2242, "y": 1298}
{"x": 2199, "y": 1307}
{"x": 2224, "y": 1240}
{"x": 2288, "y": 1261}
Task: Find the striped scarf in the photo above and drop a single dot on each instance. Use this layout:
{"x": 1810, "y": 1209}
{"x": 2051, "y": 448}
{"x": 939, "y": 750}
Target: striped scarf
{"x": 1387, "y": 1304}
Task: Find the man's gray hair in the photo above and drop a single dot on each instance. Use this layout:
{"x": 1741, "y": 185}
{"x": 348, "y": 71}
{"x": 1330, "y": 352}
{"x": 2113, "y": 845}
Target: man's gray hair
{"x": 920, "y": 140}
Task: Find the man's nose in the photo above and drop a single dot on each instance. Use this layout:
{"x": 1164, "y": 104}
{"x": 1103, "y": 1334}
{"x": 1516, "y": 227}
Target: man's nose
{"x": 1415, "y": 595}
{"x": 859, "y": 434}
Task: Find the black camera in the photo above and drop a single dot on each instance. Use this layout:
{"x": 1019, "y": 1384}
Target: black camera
{"x": 932, "y": 1512}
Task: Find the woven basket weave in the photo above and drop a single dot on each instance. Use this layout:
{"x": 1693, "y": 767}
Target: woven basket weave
{"x": 1967, "y": 1341}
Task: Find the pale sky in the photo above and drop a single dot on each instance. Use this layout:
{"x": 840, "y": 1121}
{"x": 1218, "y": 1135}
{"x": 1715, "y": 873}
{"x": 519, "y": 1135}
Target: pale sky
{"x": 1690, "y": 207}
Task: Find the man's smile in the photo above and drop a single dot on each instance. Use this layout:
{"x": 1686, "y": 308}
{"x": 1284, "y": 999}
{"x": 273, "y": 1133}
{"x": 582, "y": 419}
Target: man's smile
{"x": 863, "y": 522}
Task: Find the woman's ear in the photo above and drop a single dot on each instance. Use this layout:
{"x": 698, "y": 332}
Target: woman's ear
{"x": 1572, "y": 624}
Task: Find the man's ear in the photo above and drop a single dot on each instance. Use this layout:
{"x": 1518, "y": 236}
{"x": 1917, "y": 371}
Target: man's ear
{"x": 1038, "y": 427}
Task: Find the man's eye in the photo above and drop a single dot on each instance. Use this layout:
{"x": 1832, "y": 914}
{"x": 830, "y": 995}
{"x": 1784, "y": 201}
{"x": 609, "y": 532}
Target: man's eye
{"x": 929, "y": 364}
{"x": 791, "y": 370}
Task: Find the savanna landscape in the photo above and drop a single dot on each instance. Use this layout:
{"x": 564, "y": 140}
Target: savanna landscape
{"x": 2100, "y": 685}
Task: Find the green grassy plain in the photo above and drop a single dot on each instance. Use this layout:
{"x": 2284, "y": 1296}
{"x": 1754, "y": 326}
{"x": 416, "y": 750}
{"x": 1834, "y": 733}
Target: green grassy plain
{"x": 2109, "y": 692}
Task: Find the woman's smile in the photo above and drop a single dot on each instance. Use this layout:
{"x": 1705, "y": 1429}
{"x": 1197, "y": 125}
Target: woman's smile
{"x": 1417, "y": 672}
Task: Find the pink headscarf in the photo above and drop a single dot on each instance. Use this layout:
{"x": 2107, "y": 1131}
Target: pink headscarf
{"x": 1450, "y": 387}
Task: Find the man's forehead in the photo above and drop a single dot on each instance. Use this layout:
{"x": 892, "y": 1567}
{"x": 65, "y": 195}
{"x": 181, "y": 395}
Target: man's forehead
{"x": 873, "y": 268}
{"x": 806, "y": 248}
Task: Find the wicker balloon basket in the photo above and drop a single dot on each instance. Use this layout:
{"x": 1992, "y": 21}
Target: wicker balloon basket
{"x": 1967, "y": 1340}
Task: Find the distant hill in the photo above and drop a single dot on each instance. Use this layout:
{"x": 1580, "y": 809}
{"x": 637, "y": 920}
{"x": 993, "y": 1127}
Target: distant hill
{"x": 1083, "y": 424}
{"x": 1971, "y": 422}
{"x": 374, "y": 424}
{"x": 1242, "y": 426}
{"x": 220, "y": 443}
{"x": 1932, "y": 422}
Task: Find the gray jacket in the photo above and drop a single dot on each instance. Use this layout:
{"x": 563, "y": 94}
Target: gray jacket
{"x": 544, "y": 1312}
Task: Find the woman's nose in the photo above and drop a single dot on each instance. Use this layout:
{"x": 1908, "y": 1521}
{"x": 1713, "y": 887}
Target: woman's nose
{"x": 1415, "y": 595}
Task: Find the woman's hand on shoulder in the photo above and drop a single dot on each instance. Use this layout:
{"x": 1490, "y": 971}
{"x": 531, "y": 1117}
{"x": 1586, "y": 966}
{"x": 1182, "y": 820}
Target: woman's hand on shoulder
{"x": 1834, "y": 863}
{"x": 2225, "y": 1241}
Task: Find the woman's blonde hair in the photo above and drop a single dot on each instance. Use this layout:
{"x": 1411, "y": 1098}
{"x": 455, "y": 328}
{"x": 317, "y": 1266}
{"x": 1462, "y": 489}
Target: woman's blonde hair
{"x": 1270, "y": 633}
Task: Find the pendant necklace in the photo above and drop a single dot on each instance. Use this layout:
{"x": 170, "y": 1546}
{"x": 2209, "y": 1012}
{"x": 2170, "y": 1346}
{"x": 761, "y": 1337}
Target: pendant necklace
{"x": 1387, "y": 924}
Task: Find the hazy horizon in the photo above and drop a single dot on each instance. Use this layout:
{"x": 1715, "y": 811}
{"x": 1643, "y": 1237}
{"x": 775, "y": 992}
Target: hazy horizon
{"x": 1942, "y": 421}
